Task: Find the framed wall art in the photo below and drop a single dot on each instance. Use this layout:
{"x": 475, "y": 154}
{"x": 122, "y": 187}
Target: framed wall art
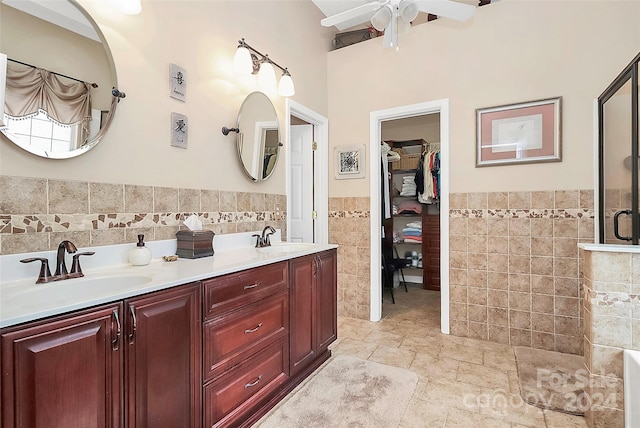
{"x": 350, "y": 161}
{"x": 179, "y": 130}
{"x": 177, "y": 82}
{"x": 519, "y": 133}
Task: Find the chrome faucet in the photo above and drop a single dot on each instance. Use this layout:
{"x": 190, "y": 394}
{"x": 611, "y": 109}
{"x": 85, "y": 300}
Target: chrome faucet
{"x": 264, "y": 240}
{"x": 61, "y": 267}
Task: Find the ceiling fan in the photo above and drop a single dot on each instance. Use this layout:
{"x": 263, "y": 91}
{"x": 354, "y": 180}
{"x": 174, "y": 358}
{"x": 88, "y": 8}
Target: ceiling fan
{"x": 395, "y": 16}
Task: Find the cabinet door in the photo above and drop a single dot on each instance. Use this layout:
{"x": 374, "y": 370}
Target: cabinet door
{"x": 303, "y": 316}
{"x": 163, "y": 359}
{"x": 326, "y": 285}
{"x": 64, "y": 372}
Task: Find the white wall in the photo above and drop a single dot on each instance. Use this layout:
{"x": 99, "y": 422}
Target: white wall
{"x": 200, "y": 36}
{"x": 511, "y": 51}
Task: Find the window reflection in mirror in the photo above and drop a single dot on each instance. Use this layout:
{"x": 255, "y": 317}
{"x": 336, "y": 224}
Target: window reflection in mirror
{"x": 79, "y": 51}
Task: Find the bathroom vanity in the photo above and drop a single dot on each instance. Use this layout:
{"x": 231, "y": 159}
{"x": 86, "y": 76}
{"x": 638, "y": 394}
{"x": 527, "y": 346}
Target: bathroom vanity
{"x": 211, "y": 342}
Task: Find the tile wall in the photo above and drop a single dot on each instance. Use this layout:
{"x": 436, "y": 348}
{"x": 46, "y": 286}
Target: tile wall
{"x": 349, "y": 227}
{"x": 611, "y": 324}
{"x": 515, "y": 267}
{"x": 36, "y": 214}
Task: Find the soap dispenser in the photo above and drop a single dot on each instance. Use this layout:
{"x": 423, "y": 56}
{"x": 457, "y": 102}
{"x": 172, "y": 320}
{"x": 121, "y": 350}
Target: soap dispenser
{"x": 140, "y": 255}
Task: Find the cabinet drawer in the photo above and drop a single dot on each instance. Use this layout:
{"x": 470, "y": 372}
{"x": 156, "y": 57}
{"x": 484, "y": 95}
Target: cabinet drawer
{"x": 242, "y": 288}
{"x": 233, "y": 395}
{"x": 229, "y": 339}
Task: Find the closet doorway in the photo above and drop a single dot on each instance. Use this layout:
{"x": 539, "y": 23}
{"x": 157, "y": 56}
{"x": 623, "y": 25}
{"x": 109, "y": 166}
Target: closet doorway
{"x": 411, "y": 215}
{"x": 428, "y": 121}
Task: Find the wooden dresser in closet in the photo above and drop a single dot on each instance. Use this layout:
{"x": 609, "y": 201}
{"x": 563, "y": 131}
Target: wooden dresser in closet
{"x": 430, "y": 251}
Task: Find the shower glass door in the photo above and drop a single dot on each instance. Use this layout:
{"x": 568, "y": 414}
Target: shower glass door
{"x": 619, "y": 222}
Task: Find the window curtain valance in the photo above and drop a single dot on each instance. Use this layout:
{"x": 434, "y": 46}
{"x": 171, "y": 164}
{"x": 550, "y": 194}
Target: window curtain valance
{"x": 31, "y": 89}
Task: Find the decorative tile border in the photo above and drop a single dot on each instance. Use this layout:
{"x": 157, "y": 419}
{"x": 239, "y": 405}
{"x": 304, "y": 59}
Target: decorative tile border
{"x": 611, "y": 298}
{"x": 350, "y": 214}
{"x": 18, "y": 224}
{"x": 577, "y": 213}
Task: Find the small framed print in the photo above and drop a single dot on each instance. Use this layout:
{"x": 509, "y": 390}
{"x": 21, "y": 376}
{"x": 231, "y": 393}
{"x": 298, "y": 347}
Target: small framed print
{"x": 350, "y": 161}
{"x": 179, "y": 130}
{"x": 519, "y": 133}
{"x": 177, "y": 82}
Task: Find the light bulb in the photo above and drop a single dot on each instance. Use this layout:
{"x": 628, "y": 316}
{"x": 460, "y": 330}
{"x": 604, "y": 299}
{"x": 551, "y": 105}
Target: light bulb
{"x": 286, "y": 88}
{"x": 408, "y": 10}
{"x": 381, "y": 18}
{"x": 267, "y": 75}
{"x": 130, "y": 7}
{"x": 242, "y": 63}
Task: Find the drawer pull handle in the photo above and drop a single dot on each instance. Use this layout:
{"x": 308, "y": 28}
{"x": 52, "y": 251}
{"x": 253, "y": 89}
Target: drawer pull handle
{"x": 254, "y": 383}
{"x": 249, "y": 287}
{"x": 253, "y": 330}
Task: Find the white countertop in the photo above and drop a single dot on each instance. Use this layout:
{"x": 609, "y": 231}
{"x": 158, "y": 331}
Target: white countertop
{"x": 22, "y": 300}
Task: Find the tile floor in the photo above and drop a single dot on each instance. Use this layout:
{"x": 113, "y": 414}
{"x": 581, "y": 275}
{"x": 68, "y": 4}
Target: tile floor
{"x": 463, "y": 382}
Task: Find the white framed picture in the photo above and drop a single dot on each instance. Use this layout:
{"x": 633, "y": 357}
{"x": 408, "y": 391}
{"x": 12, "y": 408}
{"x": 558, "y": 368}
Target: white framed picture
{"x": 350, "y": 162}
{"x": 177, "y": 82}
{"x": 179, "y": 130}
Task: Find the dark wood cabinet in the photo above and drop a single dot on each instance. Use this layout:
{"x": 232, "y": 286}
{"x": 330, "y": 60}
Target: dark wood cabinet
{"x": 64, "y": 372}
{"x": 135, "y": 363}
{"x": 431, "y": 251}
{"x": 216, "y": 353}
{"x": 313, "y": 307}
{"x": 163, "y": 337}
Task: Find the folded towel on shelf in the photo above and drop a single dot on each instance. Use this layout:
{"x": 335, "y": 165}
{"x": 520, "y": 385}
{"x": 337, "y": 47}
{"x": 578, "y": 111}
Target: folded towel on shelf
{"x": 415, "y": 225}
{"x": 413, "y": 239}
{"x": 411, "y": 232}
{"x": 407, "y": 207}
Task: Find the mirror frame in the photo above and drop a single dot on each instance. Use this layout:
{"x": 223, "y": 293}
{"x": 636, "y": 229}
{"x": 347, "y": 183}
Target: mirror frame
{"x": 91, "y": 143}
{"x": 264, "y": 130}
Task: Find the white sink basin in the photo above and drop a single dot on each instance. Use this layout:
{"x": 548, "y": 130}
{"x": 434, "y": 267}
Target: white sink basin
{"x": 287, "y": 247}
{"x": 76, "y": 289}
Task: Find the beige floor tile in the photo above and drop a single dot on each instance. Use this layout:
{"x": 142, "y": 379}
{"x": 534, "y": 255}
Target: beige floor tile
{"x": 458, "y": 418}
{"x": 460, "y": 352}
{"x": 355, "y": 348}
{"x": 393, "y": 356}
{"x": 483, "y": 376}
{"x": 434, "y": 367}
{"x": 563, "y": 420}
{"x": 465, "y": 383}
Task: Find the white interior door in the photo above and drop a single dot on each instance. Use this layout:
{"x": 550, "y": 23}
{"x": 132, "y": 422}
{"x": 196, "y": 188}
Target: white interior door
{"x": 301, "y": 173}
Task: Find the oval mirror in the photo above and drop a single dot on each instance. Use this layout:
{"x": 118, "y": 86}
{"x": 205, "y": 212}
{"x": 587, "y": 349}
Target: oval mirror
{"x": 258, "y": 138}
{"x": 58, "y": 44}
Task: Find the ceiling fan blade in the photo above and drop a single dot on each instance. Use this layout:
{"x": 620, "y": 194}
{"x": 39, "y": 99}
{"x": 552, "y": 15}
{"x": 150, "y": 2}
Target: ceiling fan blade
{"x": 447, "y": 9}
{"x": 361, "y": 11}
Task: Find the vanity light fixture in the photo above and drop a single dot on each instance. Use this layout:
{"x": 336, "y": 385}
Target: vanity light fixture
{"x": 130, "y": 7}
{"x": 248, "y": 61}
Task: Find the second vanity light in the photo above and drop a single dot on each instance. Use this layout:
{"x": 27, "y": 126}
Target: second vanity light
{"x": 248, "y": 61}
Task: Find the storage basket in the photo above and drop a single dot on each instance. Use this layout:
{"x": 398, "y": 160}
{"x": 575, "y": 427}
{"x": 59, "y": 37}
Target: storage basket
{"x": 407, "y": 161}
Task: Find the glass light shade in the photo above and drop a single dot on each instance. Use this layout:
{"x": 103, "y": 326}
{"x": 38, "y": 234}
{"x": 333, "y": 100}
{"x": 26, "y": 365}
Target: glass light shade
{"x": 381, "y": 18}
{"x": 408, "y": 10}
{"x": 267, "y": 75}
{"x": 130, "y": 7}
{"x": 242, "y": 63}
{"x": 285, "y": 87}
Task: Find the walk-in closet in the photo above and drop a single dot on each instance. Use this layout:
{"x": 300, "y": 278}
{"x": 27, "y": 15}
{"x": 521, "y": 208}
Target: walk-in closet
{"x": 410, "y": 195}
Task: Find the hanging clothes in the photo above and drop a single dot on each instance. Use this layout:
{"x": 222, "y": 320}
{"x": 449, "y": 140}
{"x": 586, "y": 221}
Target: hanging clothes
{"x": 431, "y": 177}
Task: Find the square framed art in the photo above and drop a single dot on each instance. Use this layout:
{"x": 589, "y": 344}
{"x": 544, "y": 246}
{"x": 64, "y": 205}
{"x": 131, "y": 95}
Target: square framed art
{"x": 350, "y": 161}
{"x": 519, "y": 133}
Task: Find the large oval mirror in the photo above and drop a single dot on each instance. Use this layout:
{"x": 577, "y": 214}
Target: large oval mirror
{"x": 55, "y": 44}
{"x": 258, "y": 139}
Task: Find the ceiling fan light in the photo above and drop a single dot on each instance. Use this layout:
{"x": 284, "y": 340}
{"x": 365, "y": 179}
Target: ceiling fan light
{"x": 285, "y": 87}
{"x": 267, "y": 75}
{"x": 408, "y": 10}
{"x": 381, "y": 18}
{"x": 242, "y": 63}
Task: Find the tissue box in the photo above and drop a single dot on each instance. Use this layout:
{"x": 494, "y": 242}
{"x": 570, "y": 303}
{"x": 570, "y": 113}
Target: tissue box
{"x": 193, "y": 244}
